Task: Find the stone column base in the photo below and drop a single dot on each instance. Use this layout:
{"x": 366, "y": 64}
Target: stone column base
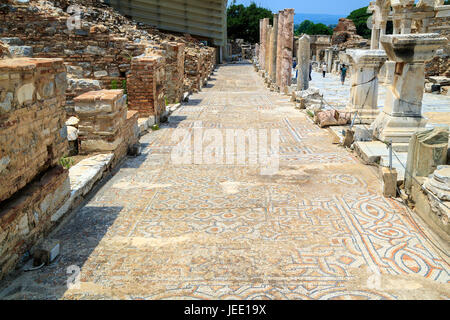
{"x": 397, "y": 129}
{"x": 365, "y": 116}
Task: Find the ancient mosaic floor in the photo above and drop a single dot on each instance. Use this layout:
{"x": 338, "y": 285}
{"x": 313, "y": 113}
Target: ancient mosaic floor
{"x": 318, "y": 229}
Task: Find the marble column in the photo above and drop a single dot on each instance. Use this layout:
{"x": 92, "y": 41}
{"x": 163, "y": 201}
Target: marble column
{"x": 288, "y": 47}
{"x": 273, "y": 50}
{"x": 303, "y": 56}
{"x": 267, "y": 52}
{"x": 366, "y": 65}
{"x": 260, "y": 43}
{"x": 279, "y": 47}
{"x": 329, "y": 60}
{"x": 402, "y": 113}
{"x": 262, "y": 62}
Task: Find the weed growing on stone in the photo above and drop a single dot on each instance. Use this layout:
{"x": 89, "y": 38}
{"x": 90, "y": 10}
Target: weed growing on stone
{"x": 66, "y": 162}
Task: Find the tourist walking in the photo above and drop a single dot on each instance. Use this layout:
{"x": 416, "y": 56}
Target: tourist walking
{"x": 324, "y": 69}
{"x": 343, "y": 73}
{"x": 294, "y": 67}
{"x": 310, "y": 71}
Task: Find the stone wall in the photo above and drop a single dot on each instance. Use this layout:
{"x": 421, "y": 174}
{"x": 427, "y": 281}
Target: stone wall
{"x": 440, "y": 65}
{"x": 27, "y": 217}
{"x": 192, "y": 70}
{"x": 174, "y": 71}
{"x": 102, "y": 114}
{"x": 33, "y": 136}
{"x": 32, "y": 142}
{"x": 146, "y": 86}
{"x": 97, "y": 55}
{"x": 93, "y": 52}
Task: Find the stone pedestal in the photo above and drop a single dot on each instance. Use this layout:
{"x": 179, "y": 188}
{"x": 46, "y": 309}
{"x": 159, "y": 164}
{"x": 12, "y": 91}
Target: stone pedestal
{"x": 402, "y": 113}
{"x": 364, "y": 83}
{"x": 303, "y": 56}
{"x": 389, "y": 182}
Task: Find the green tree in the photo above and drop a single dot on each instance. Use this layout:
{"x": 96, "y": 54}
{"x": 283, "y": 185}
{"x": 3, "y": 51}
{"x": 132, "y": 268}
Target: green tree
{"x": 243, "y": 22}
{"x": 312, "y": 28}
{"x": 302, "y": 27}
{"x": 360, "y": 17}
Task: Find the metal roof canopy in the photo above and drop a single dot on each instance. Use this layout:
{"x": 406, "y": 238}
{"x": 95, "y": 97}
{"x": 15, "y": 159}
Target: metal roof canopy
{"x": 204, "y": 18}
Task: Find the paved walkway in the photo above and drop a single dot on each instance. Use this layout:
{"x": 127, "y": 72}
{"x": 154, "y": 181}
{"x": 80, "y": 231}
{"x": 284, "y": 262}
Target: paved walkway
{"x": 318, "y": 229}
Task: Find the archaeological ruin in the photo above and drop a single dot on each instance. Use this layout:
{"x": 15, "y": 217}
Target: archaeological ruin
{"x": 94, "y": 86}
{"x": 142, "y": 148}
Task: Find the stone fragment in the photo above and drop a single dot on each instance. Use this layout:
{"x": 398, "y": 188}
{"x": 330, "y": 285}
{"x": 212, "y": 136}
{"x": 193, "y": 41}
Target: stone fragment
{"x": 427, "y": 151}
{"x": 389, "y": 182}
{"x": 46, "y": 252}
{"x": 21, "y": 51}
{"x": 72, "y": 133}
{"x": 439, "y": 183}
{"x": 349, "y": 138}
{"x": 327, "y": 118}
{"x": 72, "y": 121}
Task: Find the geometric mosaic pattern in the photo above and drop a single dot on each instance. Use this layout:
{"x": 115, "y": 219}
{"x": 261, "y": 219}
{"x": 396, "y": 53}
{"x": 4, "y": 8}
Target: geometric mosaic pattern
{"x": 318, "y": 229}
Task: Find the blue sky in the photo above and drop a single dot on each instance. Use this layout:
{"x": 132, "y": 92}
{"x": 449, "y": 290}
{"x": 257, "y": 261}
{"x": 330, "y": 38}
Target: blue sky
{"x": 339, "y": 7}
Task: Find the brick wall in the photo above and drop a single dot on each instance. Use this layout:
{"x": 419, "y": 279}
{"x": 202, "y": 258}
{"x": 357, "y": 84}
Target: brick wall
{"x": 146, "y": 86}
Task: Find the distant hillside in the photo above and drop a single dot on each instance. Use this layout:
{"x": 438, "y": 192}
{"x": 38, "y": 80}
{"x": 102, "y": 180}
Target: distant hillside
{"x": 326, "y": 19}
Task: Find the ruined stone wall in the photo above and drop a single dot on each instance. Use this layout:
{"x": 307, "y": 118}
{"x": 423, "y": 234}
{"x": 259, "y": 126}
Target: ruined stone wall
{"x": 102, "y": 115}
{"x": 174, "y": 70}
{"x": 32, "y": 142}
{"x": 440, "y": 65}
{"x": 96, "y": 56}
{"x": 192, "y": 70}
{"x": 345, "y": 35}
{"x": 32, "y": 117}
{"x": 146, "y": 89}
